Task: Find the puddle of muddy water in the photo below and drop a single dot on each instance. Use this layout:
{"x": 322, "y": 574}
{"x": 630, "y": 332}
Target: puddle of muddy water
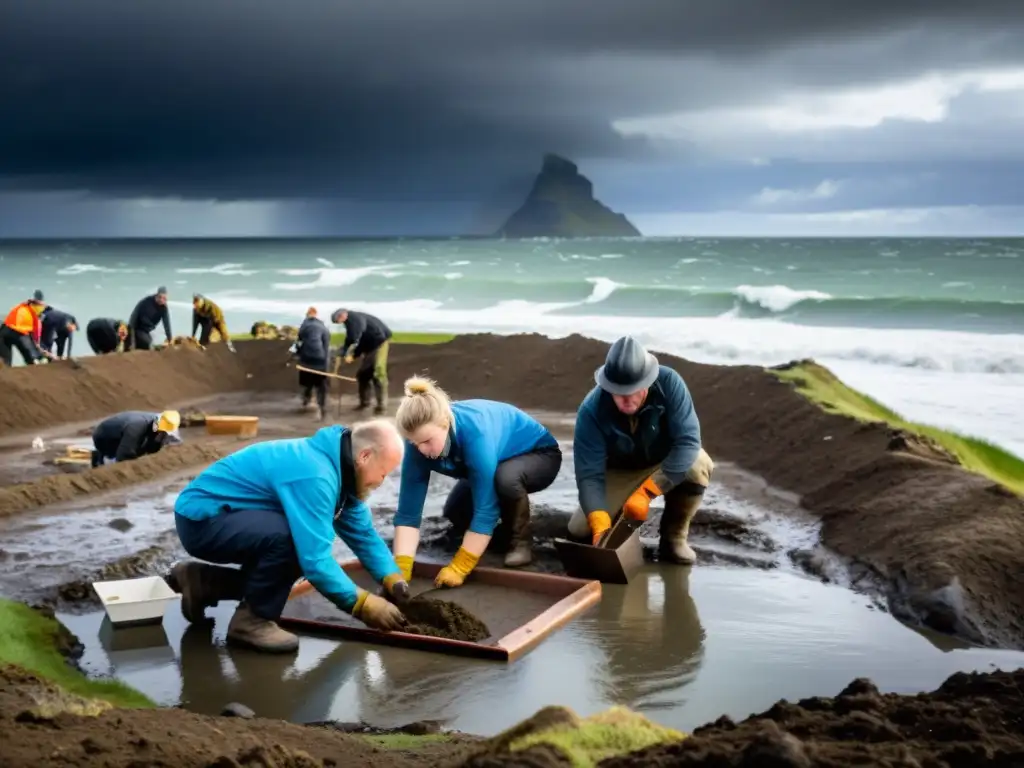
{"x": 679, "y": 644}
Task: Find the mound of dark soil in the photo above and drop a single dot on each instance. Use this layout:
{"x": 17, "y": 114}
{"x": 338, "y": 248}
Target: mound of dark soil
{"x": 145, "y": 562}
{"x": 443, "y": 618}
{"x": 972, "y": 720}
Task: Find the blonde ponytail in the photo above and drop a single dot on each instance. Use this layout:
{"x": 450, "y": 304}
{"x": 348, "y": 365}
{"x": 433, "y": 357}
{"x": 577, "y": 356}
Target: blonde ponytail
{"x": 424, "y": 403}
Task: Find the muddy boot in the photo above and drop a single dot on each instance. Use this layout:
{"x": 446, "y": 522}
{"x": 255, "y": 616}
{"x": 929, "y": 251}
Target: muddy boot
{"x": 364, "y": 395}
{"x": 675, "y": 529}
{"x": 248, "y": 629}
{"x": 203, "y": 585}
{"x": 520, "y": 545}
{"x": 382, "y": 398}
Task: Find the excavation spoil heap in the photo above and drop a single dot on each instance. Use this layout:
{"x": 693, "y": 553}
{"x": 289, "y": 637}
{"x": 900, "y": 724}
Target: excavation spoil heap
{"x": 442, "y": 618}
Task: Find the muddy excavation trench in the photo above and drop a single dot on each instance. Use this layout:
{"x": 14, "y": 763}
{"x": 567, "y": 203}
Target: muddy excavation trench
{"x": 779, "y": 605}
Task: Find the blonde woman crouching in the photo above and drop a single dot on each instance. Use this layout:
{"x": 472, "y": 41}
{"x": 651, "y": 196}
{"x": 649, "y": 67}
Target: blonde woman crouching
{"x": 499, "y": 454}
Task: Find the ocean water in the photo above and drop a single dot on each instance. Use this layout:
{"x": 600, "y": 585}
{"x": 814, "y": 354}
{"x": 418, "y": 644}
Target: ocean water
{"x": 934, "y": 328}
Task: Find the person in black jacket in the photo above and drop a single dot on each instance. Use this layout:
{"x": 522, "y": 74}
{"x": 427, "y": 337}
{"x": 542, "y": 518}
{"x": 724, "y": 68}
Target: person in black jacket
{"x": 313, "y": 348}
{"x": 58, "y": 328}
{"x": 148, "y": 313}
{"x": 366, "y": 337}
{"x": 131, "y": 434}
{"x": 106, "y": 335}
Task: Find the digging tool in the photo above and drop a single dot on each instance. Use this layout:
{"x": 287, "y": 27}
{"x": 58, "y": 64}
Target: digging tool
{"x": 328, "y": 375}
{"x": 619, "y": 555}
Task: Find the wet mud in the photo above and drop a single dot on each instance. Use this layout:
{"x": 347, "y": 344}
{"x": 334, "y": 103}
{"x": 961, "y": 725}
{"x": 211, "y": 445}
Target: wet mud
{"x": 154, "y": 560}
{"x": 442, "y": 618}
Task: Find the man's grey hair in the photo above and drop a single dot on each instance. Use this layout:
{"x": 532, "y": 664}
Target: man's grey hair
{"x": 376, "y": 435}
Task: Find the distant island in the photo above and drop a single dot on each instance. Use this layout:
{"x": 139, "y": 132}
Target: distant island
{"x": 562, "y": 204}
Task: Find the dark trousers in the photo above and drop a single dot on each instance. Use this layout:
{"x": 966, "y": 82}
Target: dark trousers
{"x": 62, "y": 340}
{"x": 11, "y": 340}
{"x": 259, "y": 541}
{"x": 140, "y": 340}
{"x": 205, "y": 329}
{"x": 514, "y": 480}
{"x": 310, "y": 381}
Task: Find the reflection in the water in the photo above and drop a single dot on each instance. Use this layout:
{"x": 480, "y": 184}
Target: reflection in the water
{"x": 651, "y": 637}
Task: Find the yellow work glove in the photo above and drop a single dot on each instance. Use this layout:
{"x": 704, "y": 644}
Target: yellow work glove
{"x": 636, "y": 506}
{"x": 377, "y": 613}
{"x": 453, "y": 574}
{"x": 600, "y": 522}
{"x": 349, "y": 359}
{"x": 404, "y": 563}
{"x": 396, "y": 588}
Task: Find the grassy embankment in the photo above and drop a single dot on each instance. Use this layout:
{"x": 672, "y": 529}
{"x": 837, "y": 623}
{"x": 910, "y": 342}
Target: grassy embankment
{"x": 29, "y": 640}
{"x": 821, "y": 386}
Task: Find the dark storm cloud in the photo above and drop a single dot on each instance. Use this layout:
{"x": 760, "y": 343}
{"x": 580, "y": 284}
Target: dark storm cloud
{"x": 407, "y": 99}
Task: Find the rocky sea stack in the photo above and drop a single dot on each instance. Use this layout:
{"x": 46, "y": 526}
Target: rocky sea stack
{"x": 562, "y": 204}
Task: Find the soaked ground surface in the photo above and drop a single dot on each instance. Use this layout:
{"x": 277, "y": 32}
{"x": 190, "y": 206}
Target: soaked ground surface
{"x": 732, "y": 635}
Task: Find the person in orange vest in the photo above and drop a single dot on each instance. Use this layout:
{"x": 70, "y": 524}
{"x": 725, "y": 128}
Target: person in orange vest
{"x": 21, "y": 330}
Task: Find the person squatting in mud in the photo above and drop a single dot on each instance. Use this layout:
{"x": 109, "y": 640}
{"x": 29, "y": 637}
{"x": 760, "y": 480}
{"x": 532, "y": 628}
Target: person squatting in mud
{"x": 639, "y": 427}
{"x": 500, "y": 455}
{"x": 313, "y": 348}
{"x": 148, "y": 313}
{"x": 131, "y": 434}
{"x": 207, "y": 317}
{"x": 22, "y": 330}
{"x": 274, "y": 509}
{"x": 368, "y": 338}
{"x": 58, "y": 329}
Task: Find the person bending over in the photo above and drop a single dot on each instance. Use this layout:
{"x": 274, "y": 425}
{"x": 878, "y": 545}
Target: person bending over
{"x": 106, "y": 335}
{"x": 22, "y": 330}
{"x": 58, "y": 329}
{"x": 131, "y": 434}
{"x": 368, "y": 338}
{"x": 637, "y": 438}
{"x": 148, "y": 313}
{"x": 500, "y": 455}
{"x": 206, "y": 318}
{"x": 274, "y": 509}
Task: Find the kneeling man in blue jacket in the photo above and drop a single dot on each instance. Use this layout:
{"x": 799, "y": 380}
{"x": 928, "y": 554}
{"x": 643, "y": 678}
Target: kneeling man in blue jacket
{"x": 274, "y": 508}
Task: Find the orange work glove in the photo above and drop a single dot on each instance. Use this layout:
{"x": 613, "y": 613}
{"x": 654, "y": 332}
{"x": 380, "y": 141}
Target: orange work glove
{"x": 600, "y": 521}
{"x": 636, "y": 506}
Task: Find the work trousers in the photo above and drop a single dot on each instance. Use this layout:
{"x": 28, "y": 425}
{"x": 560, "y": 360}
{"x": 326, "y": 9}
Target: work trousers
{"x": 373, "y": 373}
{"x": 141, "y": 340}
{"x": 11, "y": 340}
{"x": 514, "y": 480}
{"x": 620, "y": 484}
{"x": 205, "y": 329}
{"x": 259, "y": 541}
{"x": 310, "y": 381}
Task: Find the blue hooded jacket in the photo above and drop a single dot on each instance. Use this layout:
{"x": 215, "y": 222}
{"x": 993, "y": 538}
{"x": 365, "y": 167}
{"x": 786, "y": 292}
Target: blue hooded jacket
{"x": 305, "y": 480}
{"x": 485, "y": 433}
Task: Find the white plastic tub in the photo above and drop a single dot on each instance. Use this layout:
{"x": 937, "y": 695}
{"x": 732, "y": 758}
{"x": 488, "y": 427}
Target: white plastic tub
{"x": 135, "y": 601}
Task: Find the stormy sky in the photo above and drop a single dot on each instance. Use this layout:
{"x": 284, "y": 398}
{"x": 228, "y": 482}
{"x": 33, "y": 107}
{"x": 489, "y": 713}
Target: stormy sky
{"x": 355, "y": 117}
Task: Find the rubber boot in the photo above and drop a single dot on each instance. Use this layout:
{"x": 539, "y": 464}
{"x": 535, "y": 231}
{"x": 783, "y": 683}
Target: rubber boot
{"x": 248, "y": 629}
{"x": 96, "y": 459}
{"x": 382, "y": 398}
{"x": 675, "y": 528}
{"x": 203, "y": 585}
{"x": 364, "y": 395}
{"x": 520, "y": 545}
